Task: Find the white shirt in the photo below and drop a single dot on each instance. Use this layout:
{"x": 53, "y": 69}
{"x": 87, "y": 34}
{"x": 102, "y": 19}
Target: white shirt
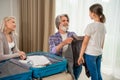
{"x": 64, "y": 36}
{"x": 96, "y": 31}
{"x": 11, "y": 46}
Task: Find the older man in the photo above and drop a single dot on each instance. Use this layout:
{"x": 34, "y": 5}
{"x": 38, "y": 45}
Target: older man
{"x": 59, "y": 43}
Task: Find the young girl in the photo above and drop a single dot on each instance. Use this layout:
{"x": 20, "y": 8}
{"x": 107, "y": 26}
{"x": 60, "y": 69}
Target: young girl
{"x": 8, "y": 46}
{"x": 92, "y": 45}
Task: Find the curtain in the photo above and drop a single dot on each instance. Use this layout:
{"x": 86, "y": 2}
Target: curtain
{"x": 78, "y": 11}
{"x": 37, "y": 24}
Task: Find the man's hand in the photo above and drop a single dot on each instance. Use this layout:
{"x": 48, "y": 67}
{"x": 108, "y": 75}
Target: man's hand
{"x": 67, "y": 41}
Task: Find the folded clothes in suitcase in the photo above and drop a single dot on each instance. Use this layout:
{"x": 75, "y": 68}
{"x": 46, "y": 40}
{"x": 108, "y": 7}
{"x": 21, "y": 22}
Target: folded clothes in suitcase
{"x": 57, "y": 64}
{"x": 12, "y": 71}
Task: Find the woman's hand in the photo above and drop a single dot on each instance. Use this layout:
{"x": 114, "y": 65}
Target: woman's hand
{"x": 80, "y": 60}
{"x": 22, "y": 55}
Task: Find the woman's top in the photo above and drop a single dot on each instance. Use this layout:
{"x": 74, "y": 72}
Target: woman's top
{"x": 4, "y": 47}
{"x": 11, "y": 47}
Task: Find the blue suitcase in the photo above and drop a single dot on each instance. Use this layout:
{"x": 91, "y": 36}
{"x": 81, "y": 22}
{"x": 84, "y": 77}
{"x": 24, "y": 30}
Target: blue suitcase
{"x": 12, "y": 71}
{"x": 58, "y": 64}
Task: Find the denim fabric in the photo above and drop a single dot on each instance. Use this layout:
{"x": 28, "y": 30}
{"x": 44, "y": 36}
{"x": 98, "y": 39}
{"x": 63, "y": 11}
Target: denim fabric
{"x": 77, "y": 70}
{"x": 94, "y": 66}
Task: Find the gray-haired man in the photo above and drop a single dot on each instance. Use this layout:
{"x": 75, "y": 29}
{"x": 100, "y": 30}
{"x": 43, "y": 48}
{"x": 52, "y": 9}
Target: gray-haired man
{"x": 59, "y": 44}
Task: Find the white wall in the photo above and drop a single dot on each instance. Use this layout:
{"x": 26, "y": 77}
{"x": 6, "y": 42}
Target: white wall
{"x": 10, "y": 8}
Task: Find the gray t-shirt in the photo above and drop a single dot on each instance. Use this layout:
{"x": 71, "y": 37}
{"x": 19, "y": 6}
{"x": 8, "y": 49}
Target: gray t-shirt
{"x": 96, "y": 31}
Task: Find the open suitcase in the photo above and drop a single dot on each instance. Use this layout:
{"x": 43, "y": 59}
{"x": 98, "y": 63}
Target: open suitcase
{"x": 12, "y": 71}
{"x": 58, "y": 64}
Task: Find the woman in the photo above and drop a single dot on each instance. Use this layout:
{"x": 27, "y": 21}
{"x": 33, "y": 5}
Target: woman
{"x": 93, "y": 42}
{"x": 8, "y": 45}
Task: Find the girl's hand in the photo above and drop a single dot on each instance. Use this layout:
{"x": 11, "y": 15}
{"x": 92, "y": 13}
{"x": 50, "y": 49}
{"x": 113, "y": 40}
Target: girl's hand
{"x": 80, "y": 60}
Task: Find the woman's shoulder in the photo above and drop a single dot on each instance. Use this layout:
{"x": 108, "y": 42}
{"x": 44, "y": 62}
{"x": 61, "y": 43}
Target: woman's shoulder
{"x": 1, "y": 34}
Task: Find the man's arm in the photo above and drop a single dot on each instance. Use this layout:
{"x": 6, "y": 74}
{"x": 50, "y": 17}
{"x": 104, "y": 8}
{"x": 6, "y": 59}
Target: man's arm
{"x": 56, "y": 48}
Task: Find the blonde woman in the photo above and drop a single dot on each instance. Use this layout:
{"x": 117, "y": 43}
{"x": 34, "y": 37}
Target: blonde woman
{"x": 8, "y": 45}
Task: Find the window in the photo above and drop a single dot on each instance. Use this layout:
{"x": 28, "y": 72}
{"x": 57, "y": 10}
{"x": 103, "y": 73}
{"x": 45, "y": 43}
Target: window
{"x": 78, "y": 11}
